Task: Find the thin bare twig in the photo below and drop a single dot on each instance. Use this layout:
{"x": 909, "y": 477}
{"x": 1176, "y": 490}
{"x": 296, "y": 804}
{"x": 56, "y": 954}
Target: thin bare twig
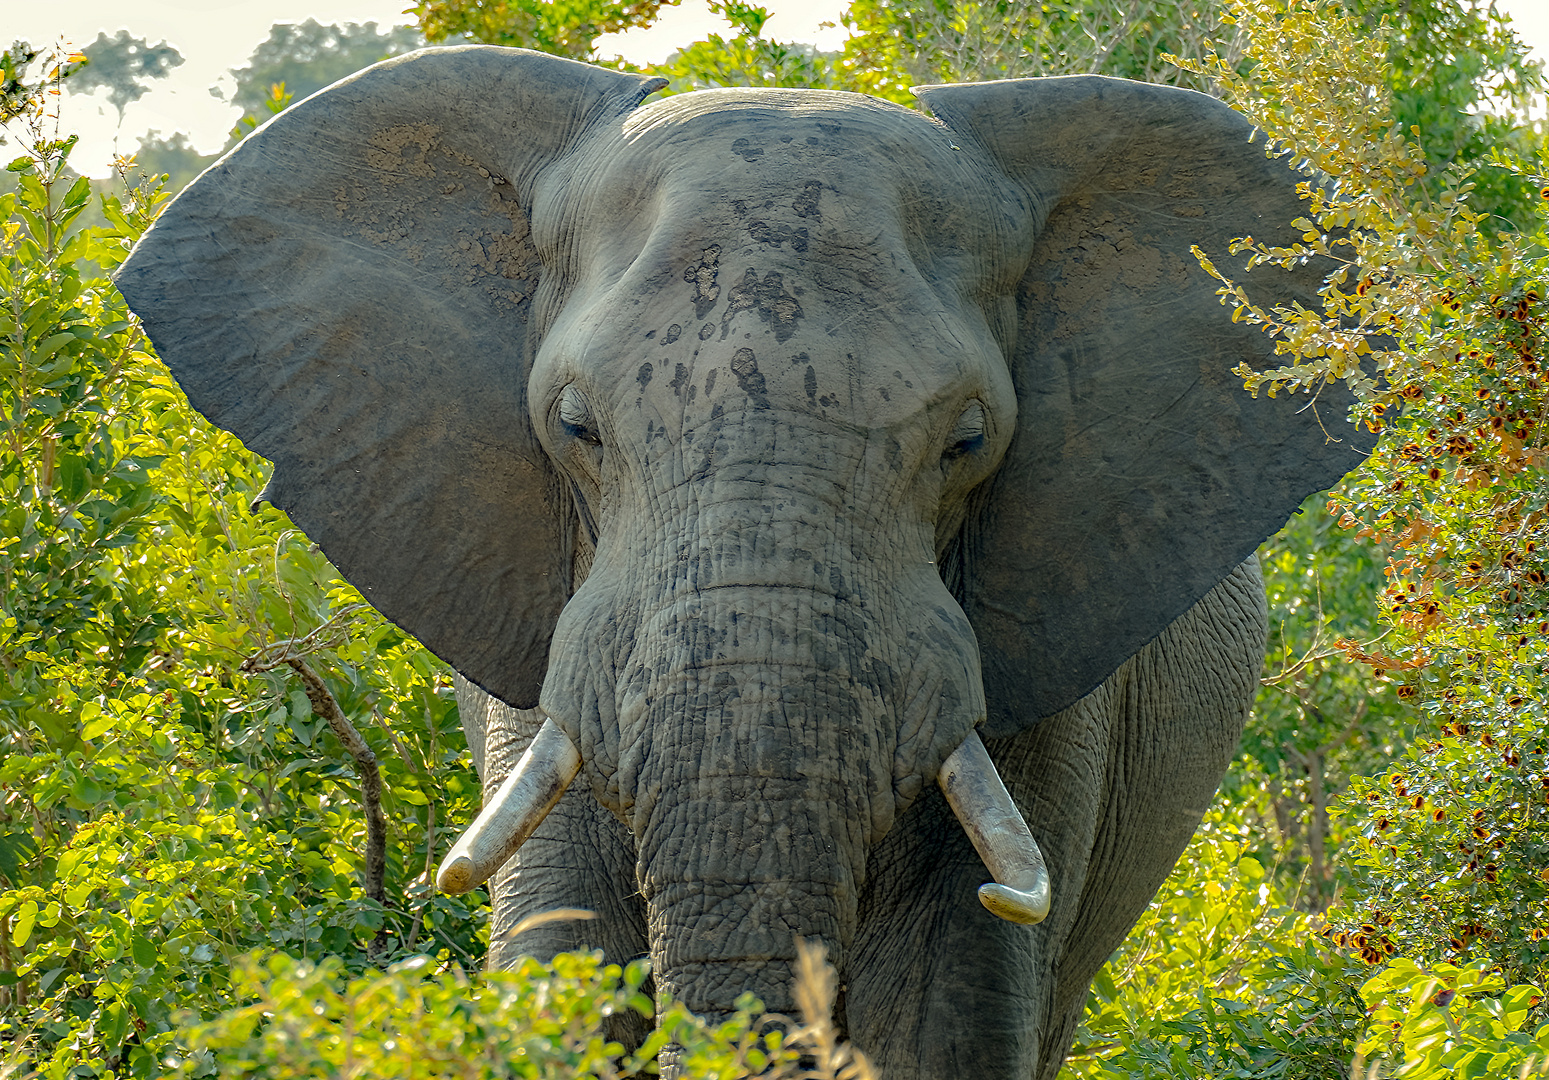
{"x": 324, "y": 704}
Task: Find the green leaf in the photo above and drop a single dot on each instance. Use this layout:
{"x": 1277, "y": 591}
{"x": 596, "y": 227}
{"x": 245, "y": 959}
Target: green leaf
{"x": 76, "y": 895}
{"x": 22, "y": 921}
{"x": 50, "y": 345}
{"x": 144, "y": 951}
{"x": 79, "y": 192}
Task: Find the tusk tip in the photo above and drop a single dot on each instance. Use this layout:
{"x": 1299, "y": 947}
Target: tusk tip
{"x": 1014, "y": 905}
{"x": 456, "y": 875}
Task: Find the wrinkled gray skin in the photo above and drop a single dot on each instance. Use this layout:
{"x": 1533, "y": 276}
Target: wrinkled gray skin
{"x": 769, "y": 442}
{"x": 933, "y": 985}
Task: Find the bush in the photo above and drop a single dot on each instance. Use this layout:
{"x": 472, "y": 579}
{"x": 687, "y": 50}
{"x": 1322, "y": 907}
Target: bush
{"x": 536, "y": 1021}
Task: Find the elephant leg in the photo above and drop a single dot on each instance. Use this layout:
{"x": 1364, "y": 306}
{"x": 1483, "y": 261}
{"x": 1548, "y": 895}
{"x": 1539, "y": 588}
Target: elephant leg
{"x": 982, "y": 984}
{"x": 581, "y": 856}
{"x": 1112, "y": 789}
{"x": 1178, "y": 710}
{"x": 936, "y": 986}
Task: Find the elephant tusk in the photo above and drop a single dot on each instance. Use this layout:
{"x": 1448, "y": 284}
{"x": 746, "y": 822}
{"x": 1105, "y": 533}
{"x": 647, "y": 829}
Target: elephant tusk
{"x": 518, "y": 808}
{"x": 982, "y": 804}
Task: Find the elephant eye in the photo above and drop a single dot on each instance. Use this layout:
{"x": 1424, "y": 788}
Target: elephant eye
{"x": 967, "y": 434}
{"x": 576, "y": 415}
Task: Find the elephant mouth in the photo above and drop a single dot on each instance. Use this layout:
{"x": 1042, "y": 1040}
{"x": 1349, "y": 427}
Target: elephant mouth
{"x": 1020, "y": 892}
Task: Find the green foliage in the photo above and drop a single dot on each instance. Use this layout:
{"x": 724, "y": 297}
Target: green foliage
{"x": 1451, "y": 1021}
{"x": 22, "y": 99}
{"x": 1434, "y": 320}
{"x": 536, "y": 1021}
{"x": 171, "y": 156}
{"x": 180, "y": 832}
{"x": 305, "y": 57}
{"x": 1458, "y": 73}
{"x": 748, "y": 59}
{"x": 313, "y": 1020}
{"x": 277, "y": 101}
{"x": 124, "y": 64}
{"x": 1452, "y": 842}
{"x": 563, "y": 27}
{"x": 1319, "y": 720}
{"x": 897, "y": 44}
{"x": 1223, "y": 976}
{"x": 168, "y": 801}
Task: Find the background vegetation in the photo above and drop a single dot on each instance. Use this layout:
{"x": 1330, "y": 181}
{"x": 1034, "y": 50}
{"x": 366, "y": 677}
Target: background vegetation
{"x": 224, "y": 781}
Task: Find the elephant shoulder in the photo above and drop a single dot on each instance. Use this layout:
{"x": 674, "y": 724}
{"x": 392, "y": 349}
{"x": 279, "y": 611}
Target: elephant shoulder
{"x": 1197, "y": 679}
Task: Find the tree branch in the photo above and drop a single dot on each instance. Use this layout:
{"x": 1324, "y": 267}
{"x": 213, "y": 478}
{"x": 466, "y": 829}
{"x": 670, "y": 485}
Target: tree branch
{"x": 325, "y": 705}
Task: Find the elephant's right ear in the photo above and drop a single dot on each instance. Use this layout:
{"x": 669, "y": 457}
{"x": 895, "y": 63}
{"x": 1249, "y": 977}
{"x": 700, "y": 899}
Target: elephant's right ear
{"x": 348, "y": 291}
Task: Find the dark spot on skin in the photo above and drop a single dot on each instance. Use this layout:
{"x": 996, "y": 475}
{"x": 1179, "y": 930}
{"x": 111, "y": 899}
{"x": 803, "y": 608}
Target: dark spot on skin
{"x": 739, "y": 207}
{"x": 785, "y": 138}
{"x": 705, "y": 331}
{"x": 702, "y": 276}
{"x": 764, "y": 233}
{"x": 743, "y": 295}
{"x": 806, "y": 204}
{"x": 828, "y": 127}
{"x": 885, "y": 395}
{"x": 679, "y": 379}
{"x": 800, "y": 358}
{"x": 673, "y": 333}
{"x": 649, "y": 334}
{"x": 827, "y": 402}
{"x": 768, "y": 297}
{"x": 710, "y": 383}
{"x": 644, "y": 377}
{"x": 717, "y": 412}
{"x": 693, "y": 392}
{"x": 745, "y": 367}
{"x": 811, "y": 383}
{"x": 749, "y": 152}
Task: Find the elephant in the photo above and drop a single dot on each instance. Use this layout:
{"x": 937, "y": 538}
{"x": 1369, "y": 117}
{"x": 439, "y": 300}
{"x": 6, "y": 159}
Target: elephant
{"x": 827, "y": 506}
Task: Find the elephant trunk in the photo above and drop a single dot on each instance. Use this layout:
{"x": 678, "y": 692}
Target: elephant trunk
{"x": 759, "y": 678}
{"x": 757, "y": 785}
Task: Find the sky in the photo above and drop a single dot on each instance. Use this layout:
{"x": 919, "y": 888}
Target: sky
{"x": 215, "y": 36}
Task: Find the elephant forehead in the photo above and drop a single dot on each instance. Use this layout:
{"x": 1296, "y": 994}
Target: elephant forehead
{"x": 705, "y": 319}
{"x": 807, "y": 256}
{"x": 838, "y": 178}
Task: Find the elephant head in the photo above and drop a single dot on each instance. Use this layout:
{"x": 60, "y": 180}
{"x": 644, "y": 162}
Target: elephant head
{"x": 772, "y": 443}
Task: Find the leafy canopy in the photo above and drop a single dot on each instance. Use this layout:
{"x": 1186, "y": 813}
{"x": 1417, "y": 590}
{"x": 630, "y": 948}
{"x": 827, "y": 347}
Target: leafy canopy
{"x": 567, "y": 28}
{"x": 305, "y": 57}
{"x": 124, "y": 64}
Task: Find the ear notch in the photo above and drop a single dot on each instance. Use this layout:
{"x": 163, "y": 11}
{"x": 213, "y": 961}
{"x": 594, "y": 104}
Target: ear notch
{"x": 1141, "y": 473}
{"x": 348, "y": 291}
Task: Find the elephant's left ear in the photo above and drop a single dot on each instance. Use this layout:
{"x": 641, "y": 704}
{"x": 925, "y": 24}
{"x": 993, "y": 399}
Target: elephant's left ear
{"x": 1141, "y": 472}
{"x": 351, "y": 292}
